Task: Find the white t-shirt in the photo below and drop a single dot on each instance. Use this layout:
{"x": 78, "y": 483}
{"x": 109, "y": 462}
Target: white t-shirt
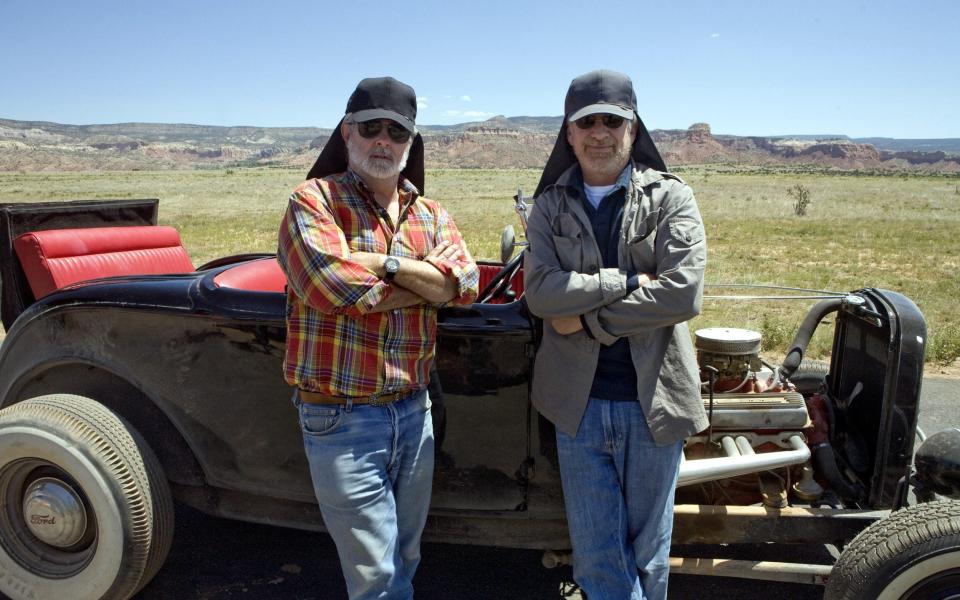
{"x": 596, "y": 193}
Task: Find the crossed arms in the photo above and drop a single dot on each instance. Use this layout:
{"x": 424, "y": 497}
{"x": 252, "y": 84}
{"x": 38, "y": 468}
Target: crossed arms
{"x": 602, "y": 302}
{"x": 418, "y": 281}
{"x": 323, "y": 271}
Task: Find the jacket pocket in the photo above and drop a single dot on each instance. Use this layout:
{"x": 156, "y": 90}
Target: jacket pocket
{"x": 642, "y": 247}
{"x": 646, "y": 228}
{"x": 319, "y": 419}
{"x": 686, "y": 231}
{"x": 569, "y": 252}
{"x": 566, "y": 225}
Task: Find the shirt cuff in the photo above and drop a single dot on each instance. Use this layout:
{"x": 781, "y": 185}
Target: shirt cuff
{"x": 613, "y": 284}
{"x": 378, "y": 292}
{"x": 586, "y": 327}
{"x": 467, "y": 279}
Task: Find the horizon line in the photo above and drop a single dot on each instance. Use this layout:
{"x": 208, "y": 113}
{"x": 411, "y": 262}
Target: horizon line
{"x": 788, "y": 135}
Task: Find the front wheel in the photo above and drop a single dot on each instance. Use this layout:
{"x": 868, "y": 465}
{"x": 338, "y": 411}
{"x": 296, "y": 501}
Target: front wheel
{"x": 914, "y": 554}
{"x": 85, "y": 510}
{"x": 810, "y": 376}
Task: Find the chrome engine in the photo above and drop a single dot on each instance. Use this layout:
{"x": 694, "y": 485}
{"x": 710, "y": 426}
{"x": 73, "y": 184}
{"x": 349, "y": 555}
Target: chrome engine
{"x": 756, "y": 448}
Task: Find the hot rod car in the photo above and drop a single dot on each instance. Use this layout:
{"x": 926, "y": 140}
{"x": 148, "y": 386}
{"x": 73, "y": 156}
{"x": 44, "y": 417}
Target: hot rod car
{"x": 129, "y": 378}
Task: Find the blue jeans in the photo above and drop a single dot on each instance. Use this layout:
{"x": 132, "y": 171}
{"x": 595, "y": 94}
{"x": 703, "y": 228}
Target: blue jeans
{"x": 372, "y": 470}
{"x": 618, "y": 489}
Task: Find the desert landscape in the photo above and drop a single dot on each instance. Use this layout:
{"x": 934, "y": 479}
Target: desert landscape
{"x": 495, "y": 143}
{"x": 812, "y": 211}
{"x": 853, "y": 228}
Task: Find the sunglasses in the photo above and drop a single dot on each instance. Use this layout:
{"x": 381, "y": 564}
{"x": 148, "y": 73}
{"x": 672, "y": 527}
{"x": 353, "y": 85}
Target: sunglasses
{"x": 371, "y": 129}
{"x": 609, "y": 121}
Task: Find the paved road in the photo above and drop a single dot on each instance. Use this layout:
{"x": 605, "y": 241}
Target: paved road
{"x": 215, "y": 559}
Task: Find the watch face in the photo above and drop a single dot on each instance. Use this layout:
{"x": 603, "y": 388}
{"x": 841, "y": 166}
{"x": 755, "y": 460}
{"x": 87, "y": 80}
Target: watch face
{"x": 391, "y": 265}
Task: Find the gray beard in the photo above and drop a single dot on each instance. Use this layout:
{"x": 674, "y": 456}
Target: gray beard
{"x": 376, "y": 168}
{"x": 609, "y": 166}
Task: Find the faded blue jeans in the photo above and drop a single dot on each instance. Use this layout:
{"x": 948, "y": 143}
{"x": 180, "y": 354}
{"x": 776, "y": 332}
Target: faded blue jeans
{"x": 618, "y": 487}
{"x": 372, "y": 470}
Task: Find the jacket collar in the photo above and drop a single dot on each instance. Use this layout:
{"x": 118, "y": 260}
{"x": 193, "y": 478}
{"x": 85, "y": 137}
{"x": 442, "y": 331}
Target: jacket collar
{"x": 641, "y": 176}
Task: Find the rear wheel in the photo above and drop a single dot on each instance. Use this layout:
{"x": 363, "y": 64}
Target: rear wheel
{"x": 914, "y": 554}
{"x": 85, "y": 510}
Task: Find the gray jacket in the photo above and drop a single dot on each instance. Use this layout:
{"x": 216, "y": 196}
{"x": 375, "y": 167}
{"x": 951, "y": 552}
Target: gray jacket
{"x": 661, "y": 233}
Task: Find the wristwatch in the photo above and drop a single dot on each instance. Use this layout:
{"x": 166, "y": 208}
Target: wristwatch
{"x": 391, "y": 265}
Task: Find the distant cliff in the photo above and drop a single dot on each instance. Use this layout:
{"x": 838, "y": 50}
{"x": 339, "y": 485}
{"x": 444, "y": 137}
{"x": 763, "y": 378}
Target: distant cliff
{"x": 500, "y": 142}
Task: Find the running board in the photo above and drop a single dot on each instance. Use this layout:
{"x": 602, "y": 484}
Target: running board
{"x": 752, "y": 569}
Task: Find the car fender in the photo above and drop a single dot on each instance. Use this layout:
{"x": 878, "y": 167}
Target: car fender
{"x": 28, "y": 370}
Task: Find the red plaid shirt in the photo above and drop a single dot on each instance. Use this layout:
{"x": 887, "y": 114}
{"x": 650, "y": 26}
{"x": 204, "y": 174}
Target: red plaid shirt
{"x": 335, "y": 345}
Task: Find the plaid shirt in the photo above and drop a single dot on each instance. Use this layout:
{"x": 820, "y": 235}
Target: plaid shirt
{"x": 335, "y": 345}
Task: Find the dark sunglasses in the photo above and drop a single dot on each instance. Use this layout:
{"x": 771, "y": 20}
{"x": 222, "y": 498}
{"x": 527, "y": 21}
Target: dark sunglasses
{"x": 371, "y": 129}
{"x": 609, "y": 121}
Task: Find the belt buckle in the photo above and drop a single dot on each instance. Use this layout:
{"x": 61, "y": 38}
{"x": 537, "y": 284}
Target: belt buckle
{"x": 382, "y": 399}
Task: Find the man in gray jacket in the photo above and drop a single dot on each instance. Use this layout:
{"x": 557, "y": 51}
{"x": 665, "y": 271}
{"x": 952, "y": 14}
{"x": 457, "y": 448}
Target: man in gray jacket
{"x": 615, "y": 268}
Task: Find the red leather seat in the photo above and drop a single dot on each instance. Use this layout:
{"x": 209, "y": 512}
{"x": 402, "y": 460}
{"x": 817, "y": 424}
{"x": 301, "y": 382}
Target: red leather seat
{"x": 56, "y": 258}
{"x": 261, "y": 275}
{"x": 489, "y": 270}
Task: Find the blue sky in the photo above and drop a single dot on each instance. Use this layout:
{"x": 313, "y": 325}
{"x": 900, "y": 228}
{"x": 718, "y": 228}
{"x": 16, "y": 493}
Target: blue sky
{"x": 878, "y": 68}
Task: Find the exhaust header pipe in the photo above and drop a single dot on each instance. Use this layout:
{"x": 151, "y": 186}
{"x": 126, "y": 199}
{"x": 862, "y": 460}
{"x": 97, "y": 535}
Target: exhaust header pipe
{"x": 740, "y": 460}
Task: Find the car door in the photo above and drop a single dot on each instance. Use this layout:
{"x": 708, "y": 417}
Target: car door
{"x": 482, "y": 419}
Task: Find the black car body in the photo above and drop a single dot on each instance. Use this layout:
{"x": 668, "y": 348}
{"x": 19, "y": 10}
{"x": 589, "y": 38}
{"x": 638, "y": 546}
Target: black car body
{"x": 194, "y": 368}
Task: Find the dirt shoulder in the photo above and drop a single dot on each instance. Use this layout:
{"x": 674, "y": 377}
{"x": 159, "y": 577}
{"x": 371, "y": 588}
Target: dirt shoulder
{"x": 951, "y": 371}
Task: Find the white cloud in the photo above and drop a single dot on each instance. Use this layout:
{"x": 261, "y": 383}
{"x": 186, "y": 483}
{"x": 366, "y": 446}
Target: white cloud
{"x": 714, "y": 35}
{"x": 465, "y": 98}
{"x": 471, "y": 114}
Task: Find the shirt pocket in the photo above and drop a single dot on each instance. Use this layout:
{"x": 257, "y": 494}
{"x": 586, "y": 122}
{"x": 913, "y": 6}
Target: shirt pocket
{"x": 642, "y": 246}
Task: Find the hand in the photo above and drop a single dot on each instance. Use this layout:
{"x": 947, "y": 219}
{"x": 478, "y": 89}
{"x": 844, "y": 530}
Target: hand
{"x": 465, "y": 253}
{"x": 445, "y": 251}
{"x": 566, "y": 325}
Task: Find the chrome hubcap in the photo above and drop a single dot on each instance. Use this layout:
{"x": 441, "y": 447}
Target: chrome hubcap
{"x": 54, "y": 513}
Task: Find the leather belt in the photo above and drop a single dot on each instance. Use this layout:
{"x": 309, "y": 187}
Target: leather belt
{"x": 308, "y": 397}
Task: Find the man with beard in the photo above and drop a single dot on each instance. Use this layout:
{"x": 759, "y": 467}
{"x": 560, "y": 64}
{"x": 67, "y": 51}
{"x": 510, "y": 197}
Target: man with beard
{"x": 368, "y": 261}
{"x": 615, "y": 268}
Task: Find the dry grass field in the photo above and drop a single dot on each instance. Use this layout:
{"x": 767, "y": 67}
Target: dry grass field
{"x": 898, "y": 232}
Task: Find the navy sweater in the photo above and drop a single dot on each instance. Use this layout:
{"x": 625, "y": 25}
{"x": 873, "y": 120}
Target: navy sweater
{"x": 616, "y": 377}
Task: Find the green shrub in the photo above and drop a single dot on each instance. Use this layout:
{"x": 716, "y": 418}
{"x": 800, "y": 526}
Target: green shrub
{"x": 777, "y": 334}
{"x": 944, "y": 345}
{"x": 801, "y": 196}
